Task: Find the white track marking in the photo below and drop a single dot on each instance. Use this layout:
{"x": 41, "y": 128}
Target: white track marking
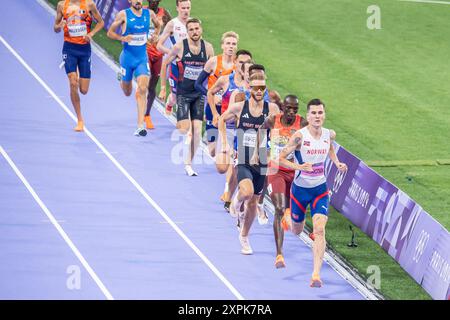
{"x": 57, "y": 225}
{"x": 127, "y": 175}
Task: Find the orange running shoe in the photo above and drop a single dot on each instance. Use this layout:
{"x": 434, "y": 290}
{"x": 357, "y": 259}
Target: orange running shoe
{"x": 148, "y": 122}
{"x": 286, "y": 220}
{"x": 279, "y": 262}
{"x": 79, "y": 127}
{"x": 315, "y": 281}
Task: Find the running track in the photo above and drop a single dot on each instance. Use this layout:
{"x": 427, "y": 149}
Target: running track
{"x": 120, "y": 217}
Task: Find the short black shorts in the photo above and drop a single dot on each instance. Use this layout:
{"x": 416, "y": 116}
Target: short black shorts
{"x": 190, "y": 106}
{"x": 246, "y": 171}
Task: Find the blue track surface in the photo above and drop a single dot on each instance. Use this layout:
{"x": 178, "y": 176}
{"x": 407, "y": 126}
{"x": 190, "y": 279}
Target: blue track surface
{"x": 132, "y": 249}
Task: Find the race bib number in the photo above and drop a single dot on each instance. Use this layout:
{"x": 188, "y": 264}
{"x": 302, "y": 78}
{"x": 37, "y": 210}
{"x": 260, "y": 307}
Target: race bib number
{"x": 318, "y": 170}
{"x": 192, "y": 73}
{"x": 138, "y": 39}
{"x": 77, "y": 30}
{"x": 249, "y": 139}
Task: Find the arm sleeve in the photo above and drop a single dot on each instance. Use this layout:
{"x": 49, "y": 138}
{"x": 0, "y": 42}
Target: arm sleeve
{"x": 199, "y": 82}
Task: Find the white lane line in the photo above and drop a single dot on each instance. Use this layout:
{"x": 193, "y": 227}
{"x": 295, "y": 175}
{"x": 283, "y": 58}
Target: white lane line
{"x": 426, "y": 1}
{"x": 57, "y": 225}
{"x": 127, "y": 175}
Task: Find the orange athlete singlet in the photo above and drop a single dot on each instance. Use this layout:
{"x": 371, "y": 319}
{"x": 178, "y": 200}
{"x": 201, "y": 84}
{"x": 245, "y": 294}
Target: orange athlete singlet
{"x": 78, "y": 23}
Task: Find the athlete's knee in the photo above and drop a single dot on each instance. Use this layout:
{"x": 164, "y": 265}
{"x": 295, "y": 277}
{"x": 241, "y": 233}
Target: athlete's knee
{"x": 183, "y": 128}
{"x": 183, "y": 131}
{"x": 142, "y": 89}
{"x": 127, "y": 89}
{"x": 297, "y": 227}
{"x": 83, "y": 90}
{"x": 279, "y": 210}
{"x": 221, "y": 166}
{"x": 246, "y": 193}
{"x": 73, "y": 81}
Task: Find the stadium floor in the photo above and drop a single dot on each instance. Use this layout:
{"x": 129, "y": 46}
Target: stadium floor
{"x": 145, "y": 229}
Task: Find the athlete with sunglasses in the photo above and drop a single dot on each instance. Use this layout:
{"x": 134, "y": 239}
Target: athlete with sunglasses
{"x": 251, "y": 114}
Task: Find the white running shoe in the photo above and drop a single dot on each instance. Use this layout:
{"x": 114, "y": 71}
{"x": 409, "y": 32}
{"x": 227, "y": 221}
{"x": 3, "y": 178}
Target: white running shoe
{"x": 140, "y": 132}
{"x": 262, "y": 215}
{"x": 189, "y": 171}
{"x": 245, "y": 245}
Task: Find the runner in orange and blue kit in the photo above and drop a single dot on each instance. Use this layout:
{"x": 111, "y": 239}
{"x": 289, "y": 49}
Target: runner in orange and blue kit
{"x": 217, "y": 66}
{"x": 75, "y": 17}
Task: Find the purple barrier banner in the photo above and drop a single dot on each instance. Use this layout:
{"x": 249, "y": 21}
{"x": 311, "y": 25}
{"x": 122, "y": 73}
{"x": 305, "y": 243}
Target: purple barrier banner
{"x": 437, "y": 275}
{"x": 109, "y": 8}
{"x": 422, "y": 240}
{"x": 391, "y": 218}
{"x": 339, "y": 183}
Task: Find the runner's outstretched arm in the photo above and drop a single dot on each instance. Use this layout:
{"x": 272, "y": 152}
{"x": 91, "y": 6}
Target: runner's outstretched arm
{"x": 174, "y": 53}
{"x": 100, "y": 23}
{"x": 118, "y": 21}
{"x": 332, "y": 154}
{"x": 59, "y": 19}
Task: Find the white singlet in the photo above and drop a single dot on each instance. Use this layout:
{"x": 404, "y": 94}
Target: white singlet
{"x": 314, "y": 151}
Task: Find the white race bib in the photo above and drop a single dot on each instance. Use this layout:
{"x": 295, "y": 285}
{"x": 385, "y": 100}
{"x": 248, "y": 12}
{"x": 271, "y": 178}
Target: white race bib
{"x": 318, "y": 171}
{"x": 138, "y": 39}
{"x": 77, "y": 30}
{"x": 192, "y": 73}
{"x": 249, "y": 139}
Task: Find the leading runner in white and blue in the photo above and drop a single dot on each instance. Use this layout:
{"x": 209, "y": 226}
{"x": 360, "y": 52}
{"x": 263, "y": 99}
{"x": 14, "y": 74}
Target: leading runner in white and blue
{"x": 311, "y": 147}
